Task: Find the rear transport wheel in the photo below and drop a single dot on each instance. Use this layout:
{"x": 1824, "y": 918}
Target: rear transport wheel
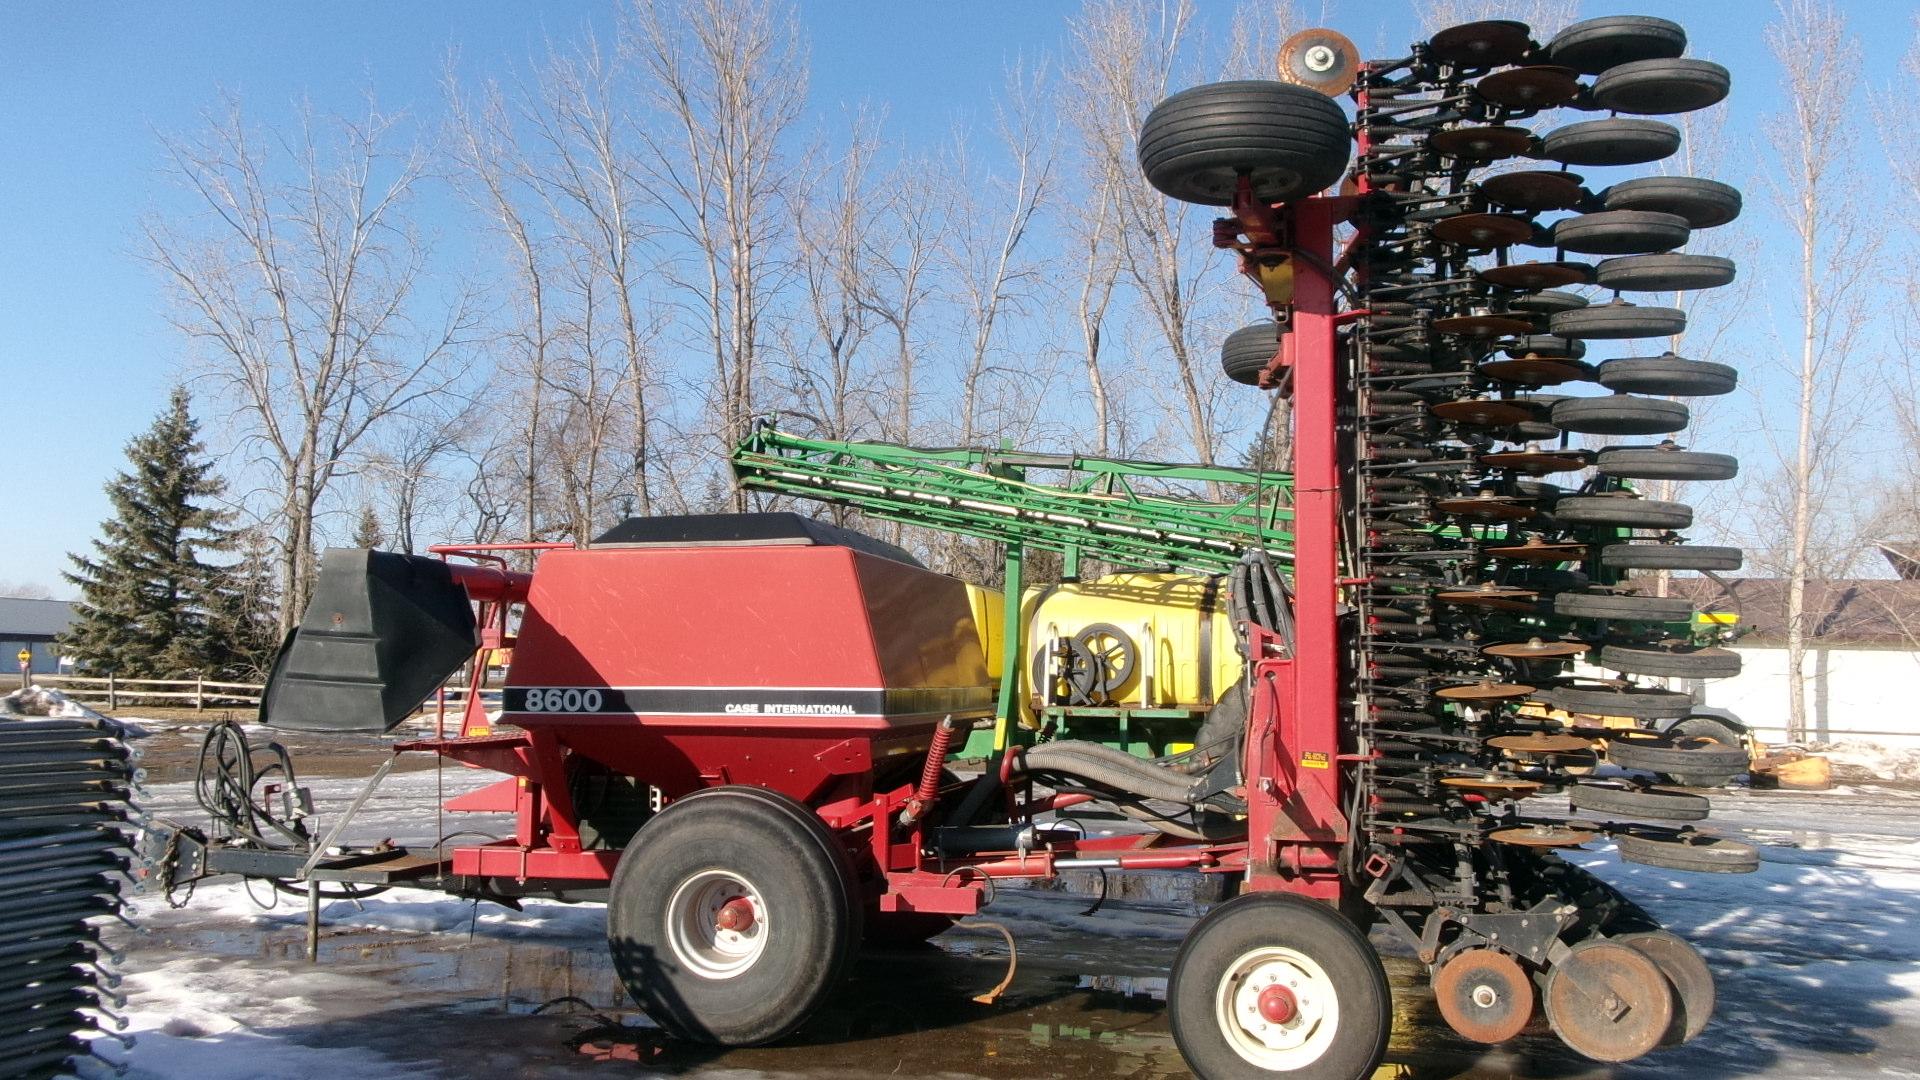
{"x": 731, "y": 917}
{"x": 1269, "y": 984}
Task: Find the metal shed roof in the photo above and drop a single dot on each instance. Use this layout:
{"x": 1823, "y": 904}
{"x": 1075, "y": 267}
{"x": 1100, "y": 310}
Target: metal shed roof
{"x": 21, "y": 617}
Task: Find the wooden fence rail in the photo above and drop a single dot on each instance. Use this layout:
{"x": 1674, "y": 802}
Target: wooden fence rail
{"x": 112, "y": 689}
{"x": 197, "y": 693}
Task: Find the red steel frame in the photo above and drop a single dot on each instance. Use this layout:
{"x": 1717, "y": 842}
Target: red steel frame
{"x": 1296, "y": 824}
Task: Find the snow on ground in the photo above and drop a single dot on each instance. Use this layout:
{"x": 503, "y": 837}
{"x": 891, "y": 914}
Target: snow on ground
{"x": 1817, "y": 957}
{"x": 1877, "y": 761}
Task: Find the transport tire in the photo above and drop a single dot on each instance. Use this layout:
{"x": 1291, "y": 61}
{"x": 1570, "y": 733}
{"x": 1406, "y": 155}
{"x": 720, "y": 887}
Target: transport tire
{"x": 1621, "y": 512}
{"x": 1290, "y": 140}
{"x": 1703, "y": 203}
{"x": 1657, "y": 463}
{"x": 746, "y": 853}
{"x": 1248, "y": 350}
{"x": 1670, "y": 557}
{"x": 1260, "y": 957}
{"x": 1714, "y": 731}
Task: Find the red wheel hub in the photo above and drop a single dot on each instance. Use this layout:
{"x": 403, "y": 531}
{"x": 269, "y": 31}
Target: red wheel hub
{"x": 736, "y": 914}
{"x": 1277, "y": 1005}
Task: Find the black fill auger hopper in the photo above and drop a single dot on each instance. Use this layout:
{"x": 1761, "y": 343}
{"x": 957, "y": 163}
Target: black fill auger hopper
{"x": 382, "y": 632}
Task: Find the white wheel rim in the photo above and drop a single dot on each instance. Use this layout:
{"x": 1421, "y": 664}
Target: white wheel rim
{"x": 1266, "y": 1044}
{"x": 694, "y": 935}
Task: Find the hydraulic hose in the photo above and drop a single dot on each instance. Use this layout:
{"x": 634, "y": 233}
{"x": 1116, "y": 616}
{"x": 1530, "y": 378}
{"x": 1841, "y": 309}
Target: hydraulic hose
{"x": 1103, "y": 765}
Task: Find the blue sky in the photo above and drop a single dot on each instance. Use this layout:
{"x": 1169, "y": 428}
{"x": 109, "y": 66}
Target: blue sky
{"x": 86, "y": 354}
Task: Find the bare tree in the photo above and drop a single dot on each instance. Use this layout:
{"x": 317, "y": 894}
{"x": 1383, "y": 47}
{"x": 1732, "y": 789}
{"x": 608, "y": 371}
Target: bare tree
{"x": 1092, "y": 225}
{"x": 726, "y": 80}
{"x": 586, "y": 172}
{"x": 1898, "y": 517}
{"x": 297, "y": 283}
{"x": 405, "y": 469}
{"x": 908, "y": 230}
{"x": 25, "y": 590}
{"x": 1124, "y": 58}
{"x": 835, "y": 264}
{"x": 1544, "y": 16}
{"x": 1813, "y": 138}
{"x": 993, "y": 277}
{"x": 490, "y": 171}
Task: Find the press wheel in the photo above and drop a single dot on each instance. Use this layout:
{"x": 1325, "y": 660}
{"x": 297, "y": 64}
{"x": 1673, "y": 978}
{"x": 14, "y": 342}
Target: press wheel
{"x": 1608, "y": 1001}
{"x": 1687, "y": 970}
{"x": 1484, "y": 994}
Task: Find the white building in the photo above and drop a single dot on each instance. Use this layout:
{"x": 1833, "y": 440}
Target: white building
{"x": 1862, "y": 662}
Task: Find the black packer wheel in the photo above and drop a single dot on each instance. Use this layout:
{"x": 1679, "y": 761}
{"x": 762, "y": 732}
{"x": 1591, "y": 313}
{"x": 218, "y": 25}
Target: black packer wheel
{"x": 1620, "y": 414}
{"x": 1684, "y": 755}
{"x": 1670, "y": 557}
{"x": 1591, "y": 46}
{"x": 1638, "y": 804}
{"x": 1624, "y": 606}
{"x": 1290, "y": 140}
{"x": 1619, "y": 511}
{"x": 1687, "y": 850}
{"x": 1612, "y": 322}
{"x": 1621, "y": 232}
{"x": 1672, "y": 661}
{"x": 1662, "y": 87}
{"x": 1702, "y": 203}
{"x": 1614, "y": 141}
{"x": 1667, "y": 272}
{"x": 1708, "y": 731}
{"x": 1664, "y": 463}
{"x": 1269, "y": 984}
{"x": 731, "y": 916}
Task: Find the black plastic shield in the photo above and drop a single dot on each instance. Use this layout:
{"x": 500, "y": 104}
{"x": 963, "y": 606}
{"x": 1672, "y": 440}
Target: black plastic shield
{"x": 382, "y": 632}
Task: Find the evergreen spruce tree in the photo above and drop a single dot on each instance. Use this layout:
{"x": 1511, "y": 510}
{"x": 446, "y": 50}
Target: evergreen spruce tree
{"x": 244, "y": 610}
{"x": 367, "y": 532}
{"x": 147, "y": 598}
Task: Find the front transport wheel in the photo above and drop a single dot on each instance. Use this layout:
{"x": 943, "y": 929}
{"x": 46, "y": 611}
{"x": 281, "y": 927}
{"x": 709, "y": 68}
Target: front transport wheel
{"x": 731, "y": 917}
{"x": 1269, "y": 984}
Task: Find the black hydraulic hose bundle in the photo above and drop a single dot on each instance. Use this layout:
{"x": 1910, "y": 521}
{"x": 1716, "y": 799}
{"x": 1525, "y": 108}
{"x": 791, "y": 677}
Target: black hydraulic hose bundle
{"x": 64, "y": 853}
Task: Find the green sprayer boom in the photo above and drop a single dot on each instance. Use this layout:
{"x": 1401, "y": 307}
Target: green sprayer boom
{"x": 1126, "y": 513}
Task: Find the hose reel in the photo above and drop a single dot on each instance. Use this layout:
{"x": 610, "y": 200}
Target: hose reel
{"x": 1088, "y": 668}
